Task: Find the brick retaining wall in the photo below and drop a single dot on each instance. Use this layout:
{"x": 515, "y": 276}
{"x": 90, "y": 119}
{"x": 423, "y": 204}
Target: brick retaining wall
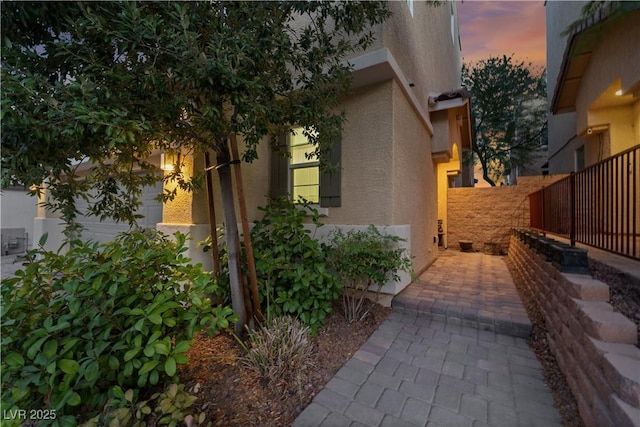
{"x": 594, "y": 346}
{"x": 484, "y": 215}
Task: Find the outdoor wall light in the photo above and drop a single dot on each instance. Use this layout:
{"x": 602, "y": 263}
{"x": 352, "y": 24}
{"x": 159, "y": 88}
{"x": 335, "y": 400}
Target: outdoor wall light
{"x": 619, "y": 92}
{"x": 168, "y": 161}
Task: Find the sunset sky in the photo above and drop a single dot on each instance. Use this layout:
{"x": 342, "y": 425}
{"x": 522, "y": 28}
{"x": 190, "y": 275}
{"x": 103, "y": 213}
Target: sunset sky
{"x": 495, "y": 28}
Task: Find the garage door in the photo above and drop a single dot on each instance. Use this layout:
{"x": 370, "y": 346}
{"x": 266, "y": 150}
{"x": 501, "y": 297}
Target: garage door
{"x": 103, "y": 231}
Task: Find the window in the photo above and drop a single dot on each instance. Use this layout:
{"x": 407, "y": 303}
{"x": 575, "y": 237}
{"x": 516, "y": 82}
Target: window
{"x": 298, "y": 174}
{"x": 304, "y": 172}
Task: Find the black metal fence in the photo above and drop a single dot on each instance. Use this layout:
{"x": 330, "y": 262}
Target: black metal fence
{"x": 598, "y": 206}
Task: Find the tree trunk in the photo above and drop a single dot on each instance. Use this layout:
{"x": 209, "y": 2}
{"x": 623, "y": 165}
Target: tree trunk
{"x": 485, "y": 171}
{"x": 231, "y": 233}
{"x": 485, "y": 176}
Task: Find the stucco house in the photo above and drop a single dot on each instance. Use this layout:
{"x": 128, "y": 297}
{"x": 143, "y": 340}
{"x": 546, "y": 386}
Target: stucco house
{"x": 593, "y": 83}
{"x": 594, "y": 125}
{"x": 407, "y": 125}
{"x": 16, "y": 221}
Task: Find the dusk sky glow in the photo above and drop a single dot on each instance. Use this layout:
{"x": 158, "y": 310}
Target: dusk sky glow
{"x": 496, "y": 28}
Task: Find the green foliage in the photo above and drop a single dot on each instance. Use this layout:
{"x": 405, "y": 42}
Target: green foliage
{"x": 280, "y": 349}
{"x": 173, "y": 407}
{"x": 508, "y": 102}
{"x": 365, "y": 261}
{"x": 123, "y": 313}
{"x": 291, "y": 264}
{"x": 594, "y": 11}
{"x": 110, "y": 82}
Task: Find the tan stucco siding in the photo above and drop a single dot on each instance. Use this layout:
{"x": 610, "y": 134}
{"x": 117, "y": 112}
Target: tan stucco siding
{"x": 186, "y": 208}
{"x": 255, "y": 177}
{"x": 423, "y": 46}
{"x": 366, "y": 158}
{"x": 414, "y": 180}
{"x": 562, "y": 127}
{"x": 615, "y": 57}
{"x": 621, "y": 131}
{"x": 192, "y": 208}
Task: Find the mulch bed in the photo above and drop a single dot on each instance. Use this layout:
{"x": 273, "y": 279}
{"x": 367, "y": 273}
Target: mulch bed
{"x": 231, "y": 394}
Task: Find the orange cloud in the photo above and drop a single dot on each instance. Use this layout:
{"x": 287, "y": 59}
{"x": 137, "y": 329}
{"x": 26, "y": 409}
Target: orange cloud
{"x": 496, "y": 28}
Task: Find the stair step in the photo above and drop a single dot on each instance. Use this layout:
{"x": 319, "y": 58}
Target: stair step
{"x": 501, "y": 322}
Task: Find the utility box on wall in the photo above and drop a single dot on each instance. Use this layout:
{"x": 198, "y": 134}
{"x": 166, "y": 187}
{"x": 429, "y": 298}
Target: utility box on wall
{"x": 14, "y": 241}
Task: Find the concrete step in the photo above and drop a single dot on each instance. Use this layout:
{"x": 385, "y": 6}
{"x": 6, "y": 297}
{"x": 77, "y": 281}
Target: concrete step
{"x": 502, "y": 320}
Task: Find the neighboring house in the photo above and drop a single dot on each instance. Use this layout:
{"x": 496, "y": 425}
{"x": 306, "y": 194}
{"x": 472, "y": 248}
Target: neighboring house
{"x": 594, "y": 125}
{"x": 407, "y": 125}
{"x": 24, "y": 221}
{"x": 593, "y": 83}
{"x": 17, "y": 210}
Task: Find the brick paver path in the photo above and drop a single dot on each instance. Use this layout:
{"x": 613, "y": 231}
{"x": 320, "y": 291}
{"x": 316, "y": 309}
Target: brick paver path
{"x": 427, "y": 368}
{"x": 472, "y": 289}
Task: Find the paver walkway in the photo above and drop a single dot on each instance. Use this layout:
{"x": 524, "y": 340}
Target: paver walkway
{"x": 471, "y": 289}
{"x": 429, "y": 365}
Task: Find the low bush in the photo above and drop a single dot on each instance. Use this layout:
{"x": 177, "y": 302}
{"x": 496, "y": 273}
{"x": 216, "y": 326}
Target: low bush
{"x": 78, "y": 326}
{"x": 279, "y": 349}
{"x": 365, "y": 261}
{"x": 291, "y": 265}
{"x": 172, "y": 407}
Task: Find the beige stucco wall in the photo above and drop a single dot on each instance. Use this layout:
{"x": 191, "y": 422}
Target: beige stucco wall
{"x": 367, "y": 141}
{"x": 414, "y": 199}
{"x": 621, "y": 127}
{"x": 388, "y": 176}
{"x": 17, "y": 211}
{"x": 562, "y": 127}
{"x": 487, "y": 214}
{"x": 423, "y": 46}
{"x": 614, "y": 57}
{"x": 615, "y": 60}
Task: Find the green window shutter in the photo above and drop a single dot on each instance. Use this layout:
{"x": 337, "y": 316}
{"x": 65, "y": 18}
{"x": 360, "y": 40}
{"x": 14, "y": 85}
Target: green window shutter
{"x": 330, "y": 182}
{"x": 279, "y": 169}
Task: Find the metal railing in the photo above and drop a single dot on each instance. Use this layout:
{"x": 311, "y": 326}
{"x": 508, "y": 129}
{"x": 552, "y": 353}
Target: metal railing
{"x": 598, "y": 206}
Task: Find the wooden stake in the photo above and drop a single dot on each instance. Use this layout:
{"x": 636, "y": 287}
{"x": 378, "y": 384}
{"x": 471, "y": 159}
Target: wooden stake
{"x": 253, "y": 277}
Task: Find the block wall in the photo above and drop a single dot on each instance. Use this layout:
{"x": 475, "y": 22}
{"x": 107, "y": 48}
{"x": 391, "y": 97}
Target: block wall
{"x": 596, "y": 348}
{"x": 486, "y": 215}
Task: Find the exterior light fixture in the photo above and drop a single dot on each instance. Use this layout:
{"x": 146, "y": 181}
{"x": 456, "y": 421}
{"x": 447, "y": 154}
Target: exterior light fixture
{"x": 619, "y": 92}
{"x": 168, "y": 161}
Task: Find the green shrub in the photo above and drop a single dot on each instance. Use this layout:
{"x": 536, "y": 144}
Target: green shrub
{"x": 279, "y": 349}
{"x": 365, "y": 261}
{"x": 172, "y": 407}
{"x": 291, "y": 265}
{"x": 124, "y": 313}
